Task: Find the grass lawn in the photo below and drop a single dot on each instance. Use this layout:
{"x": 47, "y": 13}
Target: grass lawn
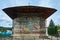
{"x": 3, "y": 36}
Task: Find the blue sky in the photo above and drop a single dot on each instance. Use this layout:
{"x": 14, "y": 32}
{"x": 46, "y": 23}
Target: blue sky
{"x": 6, "y": 21}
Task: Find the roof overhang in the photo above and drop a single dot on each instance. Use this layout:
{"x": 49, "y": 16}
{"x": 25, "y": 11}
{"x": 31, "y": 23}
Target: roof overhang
{"x": 14, "y": 12}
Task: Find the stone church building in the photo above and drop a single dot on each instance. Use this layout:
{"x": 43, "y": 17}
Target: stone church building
{"x": 29, "y": 21}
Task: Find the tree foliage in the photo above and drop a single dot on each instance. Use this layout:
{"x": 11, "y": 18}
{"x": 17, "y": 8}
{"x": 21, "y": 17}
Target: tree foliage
{"x": 52, "y": 29}
{"x": 4, "y": 29}
{"x": 58, "y": 27}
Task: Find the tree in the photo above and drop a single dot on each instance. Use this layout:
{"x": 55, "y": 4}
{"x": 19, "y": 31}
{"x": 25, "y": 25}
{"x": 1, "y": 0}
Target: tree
{"x": 58, "y": 27}
{"x": 52, "y": 29}
{"x": 4, "y": 29}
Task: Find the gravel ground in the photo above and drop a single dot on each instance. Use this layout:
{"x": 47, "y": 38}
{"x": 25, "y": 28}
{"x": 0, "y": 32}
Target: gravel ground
{"x": 36, "y": 38}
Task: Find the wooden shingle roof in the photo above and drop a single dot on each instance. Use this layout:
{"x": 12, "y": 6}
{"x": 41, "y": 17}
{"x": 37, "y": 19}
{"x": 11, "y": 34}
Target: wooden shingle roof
{"x": 14, "y": 12}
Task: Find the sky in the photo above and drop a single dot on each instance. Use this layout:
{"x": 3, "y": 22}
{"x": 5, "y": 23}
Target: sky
{"x": 6, "y": 21}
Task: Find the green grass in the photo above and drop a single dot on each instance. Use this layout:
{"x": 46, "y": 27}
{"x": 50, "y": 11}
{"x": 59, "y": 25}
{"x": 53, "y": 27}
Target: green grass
{"x": 3, "y": 36}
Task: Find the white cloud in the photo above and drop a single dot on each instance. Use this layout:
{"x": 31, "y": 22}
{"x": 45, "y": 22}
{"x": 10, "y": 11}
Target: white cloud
{"x": 48, "y": 21}
{"x": 21, "y": 2}
{"x": 45, "y": 3}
